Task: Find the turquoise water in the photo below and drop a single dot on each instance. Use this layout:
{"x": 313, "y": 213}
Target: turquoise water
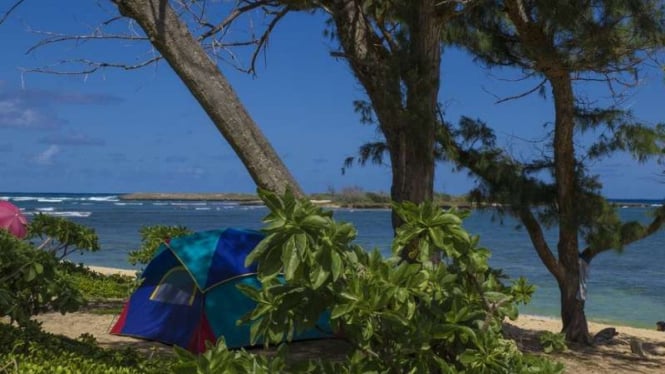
{"x": 623, "y": 288}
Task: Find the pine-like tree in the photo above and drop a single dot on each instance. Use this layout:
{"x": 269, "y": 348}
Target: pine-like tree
{"x": 565, "y": 44}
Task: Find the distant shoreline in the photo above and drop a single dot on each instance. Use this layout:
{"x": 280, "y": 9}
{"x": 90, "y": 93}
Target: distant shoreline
{"x": 190, "y": 196}
{"x": 253, "y": 199}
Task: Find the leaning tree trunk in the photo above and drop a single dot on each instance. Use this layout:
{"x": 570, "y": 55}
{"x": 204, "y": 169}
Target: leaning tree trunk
{"x": 574, "y": 320}
{"x": 200, "y": 74}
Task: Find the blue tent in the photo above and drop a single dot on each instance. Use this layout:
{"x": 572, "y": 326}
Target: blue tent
{"x": 189, "y": 294}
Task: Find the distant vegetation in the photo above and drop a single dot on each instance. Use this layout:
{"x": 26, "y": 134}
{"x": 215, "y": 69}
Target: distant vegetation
{"x": 348, "y": 197}
{"x": 356, "y": 197}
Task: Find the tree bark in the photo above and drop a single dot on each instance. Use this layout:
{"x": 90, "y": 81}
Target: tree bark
{"x": 411, "y": 142}
{"x": 542, "y": 51}
{"x": 200, "y": 74}
{"x": 402, "y": 83}
{"x": 572, "y": 307}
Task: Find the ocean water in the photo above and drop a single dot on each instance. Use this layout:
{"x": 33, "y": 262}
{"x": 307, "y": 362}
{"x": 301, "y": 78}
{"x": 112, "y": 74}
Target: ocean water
{"x": 626, "y": 288}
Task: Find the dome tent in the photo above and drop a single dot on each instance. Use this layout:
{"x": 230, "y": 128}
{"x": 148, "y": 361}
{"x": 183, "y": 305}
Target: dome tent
{"x": 189, "y": 296}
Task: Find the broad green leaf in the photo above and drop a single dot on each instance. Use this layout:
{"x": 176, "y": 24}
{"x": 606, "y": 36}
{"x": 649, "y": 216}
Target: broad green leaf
{"x": 340, "y": 310}
{"x": 319, "y": 277}
{"x": 314, "y": 222}
{"x": 335, "y": 265}
{"x": 30, "y": 274}
{"x": 258, "y": 251}
{"x": 290, "y": 258}
{"x": 39, "y": 268}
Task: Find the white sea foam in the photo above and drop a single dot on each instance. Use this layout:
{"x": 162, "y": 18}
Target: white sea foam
{"x": 47, "y": 200}
{"x": 46, "y": 209}
{"x": 252, "y": 207}
{"x": 225, "y": 203}
{"x": 112, "y": 198}
{"x": 68, "y": 214}
{"x": 202, "y": 208}
{"x": 25, "y": 198}
{"x": 189, "y": 204}
{"x": 121, "y": 204}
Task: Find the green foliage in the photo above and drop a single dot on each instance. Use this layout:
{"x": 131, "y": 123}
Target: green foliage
{"x": 351, "y": 195}
{"x": 442, "y": 311}
{"x": 59, "y": 235}
{"x": 522, "y": 291}
{"x": 31, "y": 283}
{"x": 95, "y": 286}
{"x": 552, "y": 342}
{"x": 33, "y": 280}
{"x": 151, "y": 238}
{"x": 605, "y": 37}
{"x": 516, "y": 185}
{"x": 32, "y": 351}
{"x": 218, "y": 359}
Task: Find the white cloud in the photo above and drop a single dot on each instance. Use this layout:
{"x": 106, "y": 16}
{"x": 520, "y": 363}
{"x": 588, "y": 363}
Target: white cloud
{"x": 15, "y": 113}
{"x": 47, "y": 157}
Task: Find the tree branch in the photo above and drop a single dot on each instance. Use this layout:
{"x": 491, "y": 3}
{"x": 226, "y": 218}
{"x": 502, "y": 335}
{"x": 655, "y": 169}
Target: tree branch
{"x": 10, "y": 10}
{"x": 237, "y": 12}
{"x": 93, "y": 66}
{"x": 52, "y": 38}
{"x": 523, "y": 94}
{"x": 539, "y": 244}
{"x": 261, "y": 43}
{"x": 589, "y": 253}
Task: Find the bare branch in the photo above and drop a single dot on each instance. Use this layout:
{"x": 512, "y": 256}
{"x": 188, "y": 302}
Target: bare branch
{"x": 52, "y": 38}
{"x": 264, "y": 38}
{"x": 10, "y": 10}
{"x": 232, "y": 17}
{"x": 387, "y": 37}
{"x": 93, "y": 66}
{"x": 523, "y": 94}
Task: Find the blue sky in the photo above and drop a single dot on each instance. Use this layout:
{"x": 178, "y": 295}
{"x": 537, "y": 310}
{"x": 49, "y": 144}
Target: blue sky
{"x": 120, "y": 131}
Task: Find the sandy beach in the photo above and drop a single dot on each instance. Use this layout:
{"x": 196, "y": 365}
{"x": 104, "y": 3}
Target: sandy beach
{"x": 111, "y": 271}
{"x": 613, "y": 357}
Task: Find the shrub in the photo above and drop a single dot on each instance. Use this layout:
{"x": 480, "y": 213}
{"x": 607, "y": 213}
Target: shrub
{"x": 59, "y": 236}
{"x": 30, "y": 350}
{"x": 552, "y": 342}
{"x": 378, "y": 198}
{"x": 96, "y": 286}
{"x": 151, "y": 238}
{"x": 440, "y": 311}
{"x": 350, "y": 195}
{"x": 31, "y": 280}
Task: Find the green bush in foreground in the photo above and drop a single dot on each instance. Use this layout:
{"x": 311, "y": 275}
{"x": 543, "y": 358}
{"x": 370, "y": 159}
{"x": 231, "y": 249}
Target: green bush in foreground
{"x": 31, "y": 278}
{"x": 30, "y": 282}
{"x": 96, "y": 286}
{"x": 435, "y": 306}
{"x": 28, "y": 350}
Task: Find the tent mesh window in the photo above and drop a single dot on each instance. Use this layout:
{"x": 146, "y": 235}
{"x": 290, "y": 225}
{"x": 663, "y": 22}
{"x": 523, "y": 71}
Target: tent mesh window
{"x": 176, "y": 287}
